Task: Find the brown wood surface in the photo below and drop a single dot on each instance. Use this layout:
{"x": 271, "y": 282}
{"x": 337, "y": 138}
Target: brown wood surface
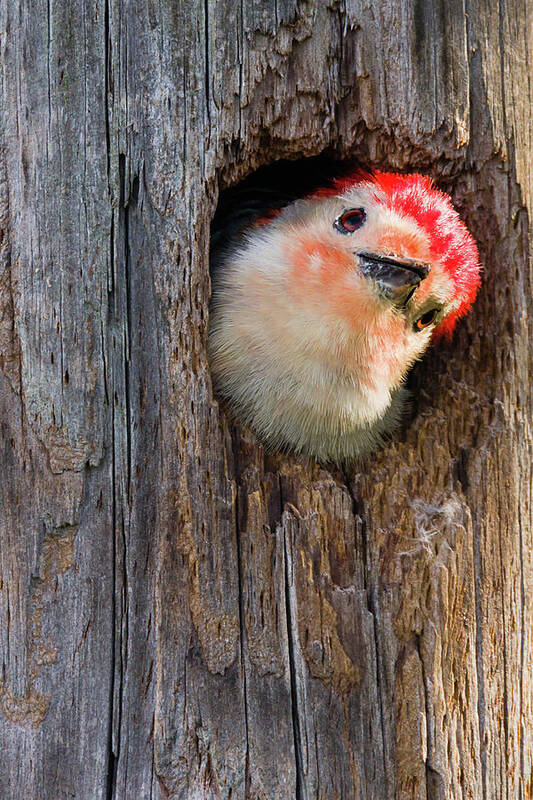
{"x": 182, "y": 616}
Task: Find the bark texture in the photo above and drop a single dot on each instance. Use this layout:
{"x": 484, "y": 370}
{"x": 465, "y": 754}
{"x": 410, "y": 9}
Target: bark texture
{"x": 182, "y": 616}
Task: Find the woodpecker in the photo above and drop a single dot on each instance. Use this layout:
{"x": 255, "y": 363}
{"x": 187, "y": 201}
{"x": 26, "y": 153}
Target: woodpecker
{"x": 320, "y": 308}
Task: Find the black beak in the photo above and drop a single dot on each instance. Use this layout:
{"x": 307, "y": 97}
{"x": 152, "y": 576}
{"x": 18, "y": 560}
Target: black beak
{"x": 395, "y": 278}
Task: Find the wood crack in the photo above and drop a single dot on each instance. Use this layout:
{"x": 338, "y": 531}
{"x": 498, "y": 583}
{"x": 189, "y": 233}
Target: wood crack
{"x": 242, "y": 639}
{"x": 372, "y": 608}
{"x": 117, "y": 666}
{"x": 301, "y": 789}
{"x": 478, "y": 584}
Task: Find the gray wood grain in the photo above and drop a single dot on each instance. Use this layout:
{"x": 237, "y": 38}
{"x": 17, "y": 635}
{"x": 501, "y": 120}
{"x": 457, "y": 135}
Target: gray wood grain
{"x": 182, "y": 616}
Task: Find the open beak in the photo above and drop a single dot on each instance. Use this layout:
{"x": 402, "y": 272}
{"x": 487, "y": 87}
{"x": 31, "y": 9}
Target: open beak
{"x": 396, "y": 279}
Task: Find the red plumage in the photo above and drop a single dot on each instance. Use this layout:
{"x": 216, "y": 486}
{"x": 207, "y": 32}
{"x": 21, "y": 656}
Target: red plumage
{"x": 451, "y": 243}
{"x": 415, "y": 196}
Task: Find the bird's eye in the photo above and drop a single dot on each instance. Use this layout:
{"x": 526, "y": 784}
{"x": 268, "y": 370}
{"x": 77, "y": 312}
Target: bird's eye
{"x": 350, "y": 220}
{"x": 426, "y": 319}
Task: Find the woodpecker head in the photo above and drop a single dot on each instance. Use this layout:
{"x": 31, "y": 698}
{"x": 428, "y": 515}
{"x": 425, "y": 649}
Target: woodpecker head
{"x": 322, "y": 307}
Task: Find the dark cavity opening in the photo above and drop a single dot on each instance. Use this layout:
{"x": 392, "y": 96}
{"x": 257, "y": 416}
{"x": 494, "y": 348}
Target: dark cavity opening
{"x": 271, "y": 187}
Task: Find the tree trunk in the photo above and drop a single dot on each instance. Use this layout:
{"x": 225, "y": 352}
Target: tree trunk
{"x": 183, "y": 616}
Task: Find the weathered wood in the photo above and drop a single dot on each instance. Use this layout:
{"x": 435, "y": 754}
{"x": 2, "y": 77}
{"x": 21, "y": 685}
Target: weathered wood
{"x": 181, "y": 615}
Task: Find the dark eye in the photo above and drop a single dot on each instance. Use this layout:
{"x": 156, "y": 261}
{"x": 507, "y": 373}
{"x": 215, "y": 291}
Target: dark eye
{"x": 426, "y": 319}
{"x": 350, "y": 220}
